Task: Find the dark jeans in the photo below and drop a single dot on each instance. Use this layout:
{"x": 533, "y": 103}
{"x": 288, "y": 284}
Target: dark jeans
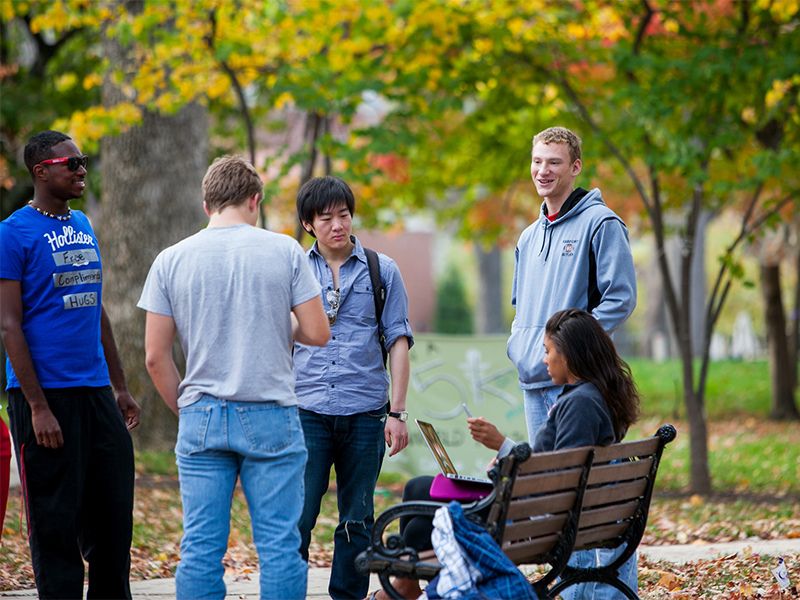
{"x": 79, "y": 498}
{"x": 416, "y": 531}
{"x": 354, "y": 446}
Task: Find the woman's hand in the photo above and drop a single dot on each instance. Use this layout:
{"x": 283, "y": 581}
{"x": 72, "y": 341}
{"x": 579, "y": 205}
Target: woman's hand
{"x": 483, "y": 432}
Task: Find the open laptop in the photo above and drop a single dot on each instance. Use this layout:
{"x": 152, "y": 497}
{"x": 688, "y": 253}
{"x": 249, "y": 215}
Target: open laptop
{"x": 440, "y": 454}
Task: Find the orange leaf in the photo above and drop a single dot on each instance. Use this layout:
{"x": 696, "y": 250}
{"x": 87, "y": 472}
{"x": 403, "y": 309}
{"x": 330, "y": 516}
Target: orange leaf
{"x": 669, "y": 581}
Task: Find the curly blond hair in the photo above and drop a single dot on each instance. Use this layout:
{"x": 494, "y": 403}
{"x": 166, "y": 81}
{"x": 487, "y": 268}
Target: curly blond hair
{"x": 560, "y": 135}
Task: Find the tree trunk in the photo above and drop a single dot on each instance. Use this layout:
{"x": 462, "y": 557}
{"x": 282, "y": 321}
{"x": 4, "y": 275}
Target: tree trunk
{"x": 489, "y": 311}
{"x": 698, "y": 275}
{"x": 150, "y": 198}
{"x": 699, "y": 473}
{"x": 794, "y": 334}
{"x": 658, "y": 339}
{"x": 681, "y": 309}
{"x": 780, "y": 366}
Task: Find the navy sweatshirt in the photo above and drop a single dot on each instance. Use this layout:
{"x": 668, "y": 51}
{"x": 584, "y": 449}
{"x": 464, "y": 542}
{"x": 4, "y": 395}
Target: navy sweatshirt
{"x": 580, "y": 417}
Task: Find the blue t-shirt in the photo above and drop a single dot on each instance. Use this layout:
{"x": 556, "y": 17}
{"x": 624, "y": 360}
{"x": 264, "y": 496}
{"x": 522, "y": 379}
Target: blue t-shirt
{"x": 58, "y": 265}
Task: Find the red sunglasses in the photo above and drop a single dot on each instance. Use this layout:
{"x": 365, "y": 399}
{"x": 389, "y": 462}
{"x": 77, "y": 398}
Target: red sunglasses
{"x": 73, "y": 162}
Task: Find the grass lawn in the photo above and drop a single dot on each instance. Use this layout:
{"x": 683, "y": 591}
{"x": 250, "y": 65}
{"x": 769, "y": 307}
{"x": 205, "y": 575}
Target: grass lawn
{"x": 734, "y": 388}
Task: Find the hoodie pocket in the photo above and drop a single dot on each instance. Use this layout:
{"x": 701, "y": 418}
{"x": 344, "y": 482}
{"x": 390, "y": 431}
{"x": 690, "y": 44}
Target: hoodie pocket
{"x": 526, "y": 350}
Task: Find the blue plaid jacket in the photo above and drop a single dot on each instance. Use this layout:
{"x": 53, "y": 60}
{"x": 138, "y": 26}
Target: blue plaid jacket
{"x": 499, "y": 577}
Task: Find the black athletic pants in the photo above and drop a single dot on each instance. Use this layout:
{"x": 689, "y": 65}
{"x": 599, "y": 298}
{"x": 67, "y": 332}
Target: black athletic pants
{"x": 78, "y": 498}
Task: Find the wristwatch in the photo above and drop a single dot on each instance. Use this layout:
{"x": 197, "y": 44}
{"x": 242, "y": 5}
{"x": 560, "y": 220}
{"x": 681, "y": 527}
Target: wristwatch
{"x": 402, "y": 415}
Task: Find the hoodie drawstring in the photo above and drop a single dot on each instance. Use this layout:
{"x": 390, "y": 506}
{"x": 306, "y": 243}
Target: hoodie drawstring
{"x": 544, "y": 226}
{"x": 548, "y": 235}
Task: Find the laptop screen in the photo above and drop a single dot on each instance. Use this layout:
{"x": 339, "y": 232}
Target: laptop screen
{"x": 436, "y": 447}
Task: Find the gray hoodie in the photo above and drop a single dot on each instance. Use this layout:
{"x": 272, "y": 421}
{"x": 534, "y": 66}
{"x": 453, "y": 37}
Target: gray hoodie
{"x": 580, "y": 260}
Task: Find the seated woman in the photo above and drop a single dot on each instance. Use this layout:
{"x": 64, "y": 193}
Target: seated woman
{"x": 598, "y": 404}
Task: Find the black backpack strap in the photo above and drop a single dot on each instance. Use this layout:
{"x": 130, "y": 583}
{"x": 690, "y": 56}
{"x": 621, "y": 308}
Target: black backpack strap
{"x": 378, "y": 293}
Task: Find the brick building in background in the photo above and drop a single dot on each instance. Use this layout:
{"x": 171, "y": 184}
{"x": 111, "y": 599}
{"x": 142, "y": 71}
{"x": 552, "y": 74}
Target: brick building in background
{"x": 413, "y": 253}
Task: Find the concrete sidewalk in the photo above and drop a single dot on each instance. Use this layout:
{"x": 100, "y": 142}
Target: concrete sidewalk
{"x": 318, "y": 578}
{"x": 237, "y": 590}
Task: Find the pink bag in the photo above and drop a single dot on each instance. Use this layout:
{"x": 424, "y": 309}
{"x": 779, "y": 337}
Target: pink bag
{"x": 445, "y": 489}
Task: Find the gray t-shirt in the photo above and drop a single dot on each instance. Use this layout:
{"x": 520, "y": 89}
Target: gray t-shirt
{"x": 230, "y": 291}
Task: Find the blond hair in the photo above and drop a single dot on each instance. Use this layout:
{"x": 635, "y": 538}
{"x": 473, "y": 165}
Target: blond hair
{"x": 560, "y": 135}
{"x": 229, "y": 181}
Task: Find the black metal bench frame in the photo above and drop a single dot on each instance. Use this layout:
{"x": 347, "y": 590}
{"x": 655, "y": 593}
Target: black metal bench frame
{"x": 555, "y": 480}
{"x": 606, "y": 505}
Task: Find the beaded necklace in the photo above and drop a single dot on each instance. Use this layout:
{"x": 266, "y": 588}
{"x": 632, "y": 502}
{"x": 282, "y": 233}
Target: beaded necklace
{"x": 46, "y": 213}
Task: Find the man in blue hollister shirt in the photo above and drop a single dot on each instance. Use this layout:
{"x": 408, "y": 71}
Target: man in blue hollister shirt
{"x": 343, "y": 387}
{"x": 70, "y": 431}
{"x": 575, "y": 255}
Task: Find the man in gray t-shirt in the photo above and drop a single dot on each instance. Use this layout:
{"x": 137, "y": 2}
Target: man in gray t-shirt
{"x": 229, "y": 292}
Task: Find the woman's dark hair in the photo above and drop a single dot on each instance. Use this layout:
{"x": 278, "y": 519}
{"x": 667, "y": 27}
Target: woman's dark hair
{"x": 321, "y": 194}
{"x": 591, "y": 356}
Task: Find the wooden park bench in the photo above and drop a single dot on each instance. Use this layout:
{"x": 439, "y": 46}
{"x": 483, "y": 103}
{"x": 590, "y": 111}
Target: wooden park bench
{"x": 543, "y": 507}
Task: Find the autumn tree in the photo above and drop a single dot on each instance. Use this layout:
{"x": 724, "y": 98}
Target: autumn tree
{"x": 670, "y": 92}
{"x": 667, "y": 103}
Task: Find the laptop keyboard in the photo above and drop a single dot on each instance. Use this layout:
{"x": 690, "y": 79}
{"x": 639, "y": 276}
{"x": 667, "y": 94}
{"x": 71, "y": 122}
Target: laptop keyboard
{"x": 469, "y": 478}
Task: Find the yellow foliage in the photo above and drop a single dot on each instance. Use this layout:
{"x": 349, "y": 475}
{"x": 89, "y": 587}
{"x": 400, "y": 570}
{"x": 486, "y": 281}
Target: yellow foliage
{"x": 66, "y": 82}
{"x": 218, "y": 86}
{"x": 90, "y": 125}
{"x": 9, "y": 9}
{"x": 671, "y": 26}
{"x": 376, "y": 14}
{"x": 576, "y": 30}
{"x": 60, "y": 15}
{"x": 781, "y": 10}
{"x": 92, "y": 80}
{"x": 516, "y": 26}
{"x": 550, "y": 92}
{"x": 606, "y": 23}
{"x": 483, "y": 45}
{"x": 283, "y": 100}
{"x": 777, "y": 92}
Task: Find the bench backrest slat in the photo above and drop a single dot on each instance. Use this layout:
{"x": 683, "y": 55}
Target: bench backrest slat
{"x": 645, "y": 447}
{"x": 609, "y": 514}
{"x": 547, "y": 482}
{"x": 593, "y": 535}
{"x": 533, "y": 507}
{"x": 532, "y": 528}
{"x": 530, "y": 552}
{"x": 620, "y": 472}
{"x": 544, "y": 462}
{"x": 619, "y": 492}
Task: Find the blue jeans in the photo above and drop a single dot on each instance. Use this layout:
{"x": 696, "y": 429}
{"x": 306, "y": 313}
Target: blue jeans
{"x": 538, "y": 403}
{"x": 628, "y": 574}
{"x": 260, "y": 443}
{"x": 354, "y": 446}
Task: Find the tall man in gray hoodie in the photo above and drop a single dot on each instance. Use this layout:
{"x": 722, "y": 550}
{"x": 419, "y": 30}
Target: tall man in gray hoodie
{"x": 576, "y": 255}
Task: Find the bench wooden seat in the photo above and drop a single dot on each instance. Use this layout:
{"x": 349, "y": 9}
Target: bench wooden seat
{"x": 542, "y": 508}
